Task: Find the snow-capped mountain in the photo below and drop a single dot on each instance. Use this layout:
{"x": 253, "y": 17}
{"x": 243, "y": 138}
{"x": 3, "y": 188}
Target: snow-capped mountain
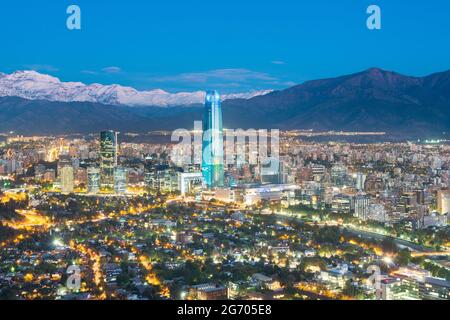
{"x": 36, "y": 86}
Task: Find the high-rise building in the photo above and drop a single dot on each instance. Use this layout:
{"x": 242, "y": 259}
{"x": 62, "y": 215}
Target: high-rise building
{"x": 64, "y": 161}
{"x": 270, "y": 173}
{"x": 318, "y": 171}
{"x": 108, "y": 159}
{"x": 420, "y": 196}
{"x": 212, "y": 147}
{"x": 120, "y": 180}
{"x": 360, "y": 181}
{"x": 443, "y": 201}
{"x": 338, "y": 175}
{"x": 414, "y": 284}
{"x": 407, "y": 202}
{"x": 361, "y": 206}
{"x": 93, "y": 178}
{"x": 341, "y": 203}
{"x": 187, "y": 181}
{"x": 162, "y": 178}
{"x": 377, "y": 212}
{"x": 391, "y": 289}
{"x": 67, "y": 179}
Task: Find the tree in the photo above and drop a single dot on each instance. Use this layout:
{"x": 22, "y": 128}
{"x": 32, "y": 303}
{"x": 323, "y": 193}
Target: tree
{"x": 328, "y": 235}
{"x": 352, "y": 290}
{"x": 8, "y": 294}
{"x": 388, "y": 245}
{"x": 404, "y": 257}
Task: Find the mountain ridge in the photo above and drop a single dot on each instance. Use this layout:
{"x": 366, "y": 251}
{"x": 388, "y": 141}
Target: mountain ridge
{"x": 371, "y": 100}
{"x": 36, "y": 86}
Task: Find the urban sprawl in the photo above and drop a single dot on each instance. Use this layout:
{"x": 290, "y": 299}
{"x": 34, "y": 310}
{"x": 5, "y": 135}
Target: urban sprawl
{"x": 326, "y": 220}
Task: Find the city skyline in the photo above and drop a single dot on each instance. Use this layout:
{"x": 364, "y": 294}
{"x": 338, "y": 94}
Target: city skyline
{"x": 316, "y": 229}
{"x": 252, "y": 155}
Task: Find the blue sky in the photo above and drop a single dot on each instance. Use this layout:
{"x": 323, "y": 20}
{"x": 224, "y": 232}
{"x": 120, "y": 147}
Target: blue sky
{"x": 232, "y": 46}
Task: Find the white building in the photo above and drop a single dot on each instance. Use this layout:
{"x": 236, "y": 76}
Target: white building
{"x": 187, "y": 181}
{"x": 361, "y": 206}
{"x": 435, "y": 220}
{"x": 443, "y": 201}
{"x": 377, "y": 212}
{"x": 67, "y": 179}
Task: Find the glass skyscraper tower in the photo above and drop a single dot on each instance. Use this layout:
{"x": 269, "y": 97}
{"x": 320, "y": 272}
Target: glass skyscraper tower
{"x": 108, "y": 159}
{"x": 212, "y": 147}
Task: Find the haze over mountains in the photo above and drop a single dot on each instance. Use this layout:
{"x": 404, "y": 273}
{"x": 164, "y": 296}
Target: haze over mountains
{"x": 372, "y": 100}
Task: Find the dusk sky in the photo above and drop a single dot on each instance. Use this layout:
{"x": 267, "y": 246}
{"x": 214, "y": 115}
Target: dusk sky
{"x": 231, "y": 46}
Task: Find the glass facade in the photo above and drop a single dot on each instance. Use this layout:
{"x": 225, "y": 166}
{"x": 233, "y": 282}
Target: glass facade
{"x": 120, "y": 180}
{"x": 270, "y": 173}
{"x": 212, "y": 148}
{"x": 93, "y": 175}
{"x": 108, "y": 159}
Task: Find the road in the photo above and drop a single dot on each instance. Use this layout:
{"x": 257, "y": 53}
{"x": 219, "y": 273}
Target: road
{"x": 377, "y": 236}
{"x": 369, "y": 235}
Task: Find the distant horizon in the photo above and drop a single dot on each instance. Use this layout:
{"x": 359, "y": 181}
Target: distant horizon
{"x": 49, "y": 73}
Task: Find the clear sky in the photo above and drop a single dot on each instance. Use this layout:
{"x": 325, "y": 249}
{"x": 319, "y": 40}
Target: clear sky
{"x": 229, "y": 45}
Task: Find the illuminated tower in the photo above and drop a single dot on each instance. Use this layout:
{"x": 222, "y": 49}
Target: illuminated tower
{"x": 212, "y": 147}
{"x": 108, "y": 159}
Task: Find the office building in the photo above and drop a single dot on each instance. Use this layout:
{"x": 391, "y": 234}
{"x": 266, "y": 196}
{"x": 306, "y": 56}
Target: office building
{"x": 443, "y": 201}
{"x": 212, "y": 146}
{"x": 108, "y": 159}
{"x": 93, "y": 178}
{"x": 361, "y": 206}
{"x": 67, "y": 179}
{"x": 189, "y": 182}
{"x": 270, "y": 173}
{"x": 120, "y": 180}
{"x": 360, "y": 181}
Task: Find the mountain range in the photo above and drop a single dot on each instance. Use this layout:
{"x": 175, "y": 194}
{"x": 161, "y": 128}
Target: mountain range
{"x": 371, "y": 100}
{"x": 35, "y": 86}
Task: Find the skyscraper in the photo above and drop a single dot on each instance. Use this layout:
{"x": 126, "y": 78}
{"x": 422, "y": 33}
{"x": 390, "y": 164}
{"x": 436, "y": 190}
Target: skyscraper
{"x": 64, "y": 161}
{"x": 67, "y": 179}
{"x": 120, "y": 180}
{"x": 212, "y": 147}
{"x": 360, "y": 180}
{"x": 338, "y": 175}
{"x": 108, "y": 159}
{"x": 93, "y": 177}
{"x": 443, "y": 201}
{"x": 361, "y": 206}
